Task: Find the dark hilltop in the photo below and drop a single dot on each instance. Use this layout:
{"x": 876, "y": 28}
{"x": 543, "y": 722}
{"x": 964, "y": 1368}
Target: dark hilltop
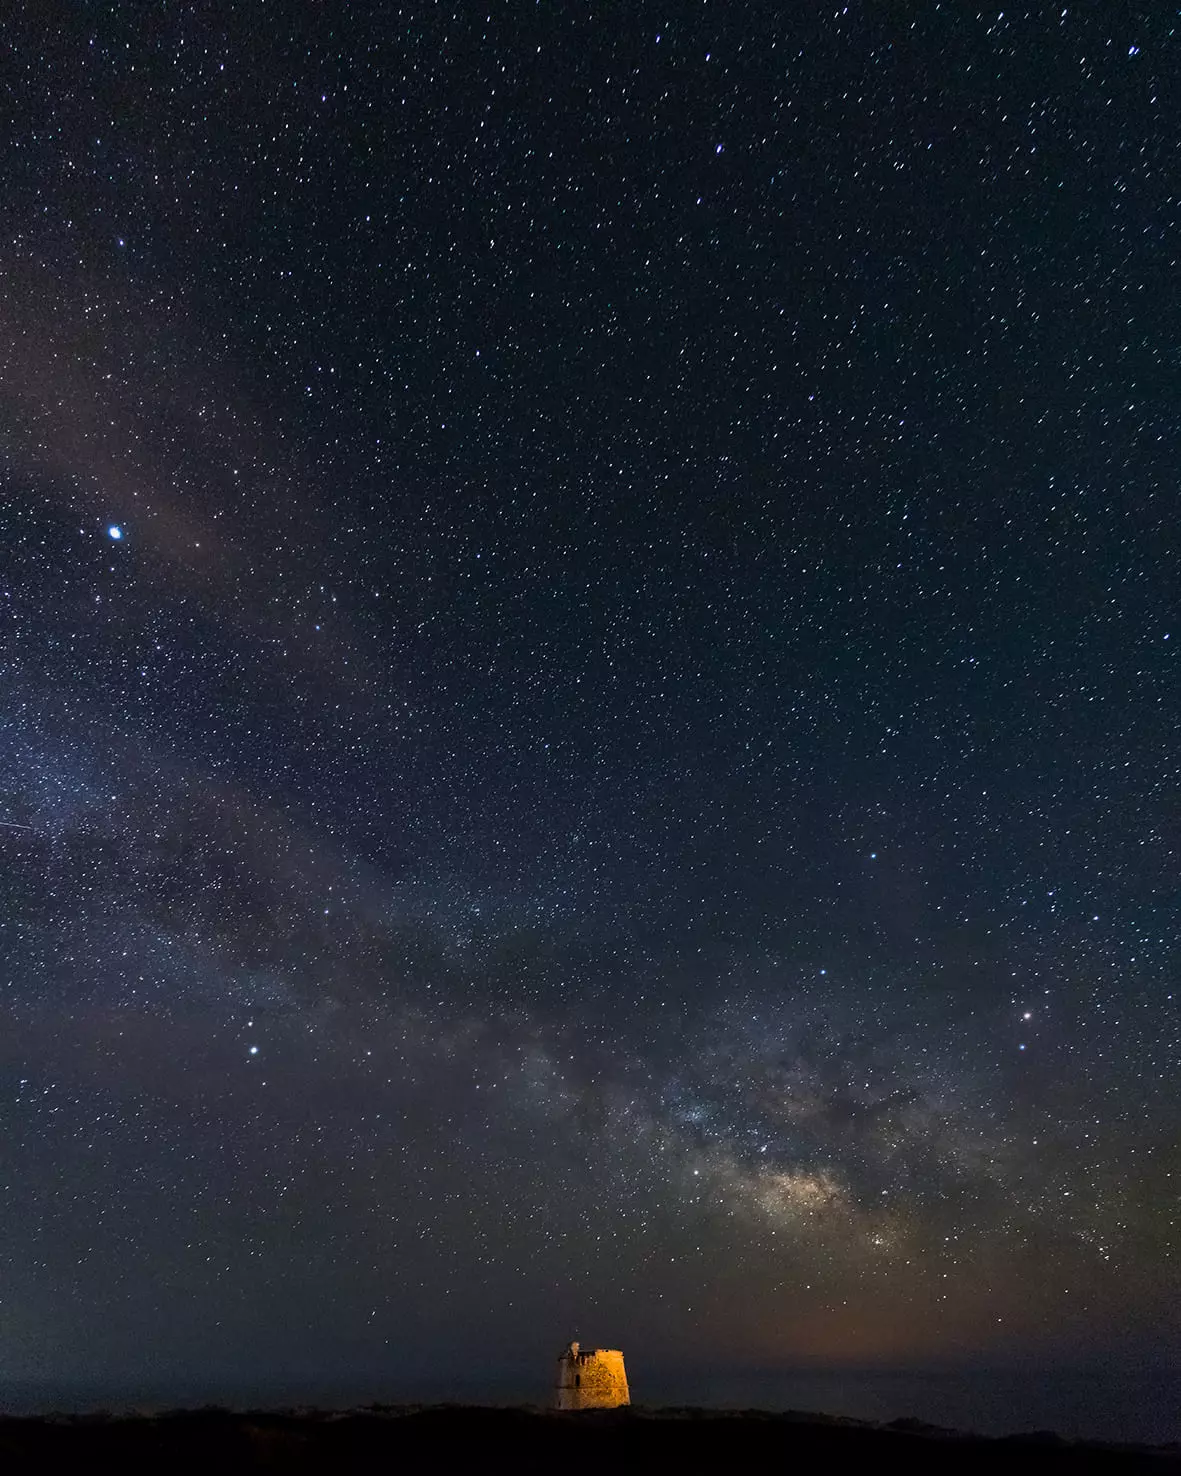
{"x": 683, "y": 1440}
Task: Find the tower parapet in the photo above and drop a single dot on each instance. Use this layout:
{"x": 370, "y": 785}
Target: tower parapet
{"x": 590, "y": 1378}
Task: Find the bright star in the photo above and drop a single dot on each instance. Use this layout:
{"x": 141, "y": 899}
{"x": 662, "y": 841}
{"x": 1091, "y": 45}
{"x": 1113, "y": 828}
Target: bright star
{"x": 115, "y": 532}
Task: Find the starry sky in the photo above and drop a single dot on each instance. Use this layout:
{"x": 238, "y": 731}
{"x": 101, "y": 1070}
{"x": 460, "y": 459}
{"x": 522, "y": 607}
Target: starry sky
{"x": 589, "y": 741}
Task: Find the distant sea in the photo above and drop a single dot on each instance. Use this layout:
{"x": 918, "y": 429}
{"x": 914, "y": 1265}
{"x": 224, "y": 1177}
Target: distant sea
{"x": 1135, "y": 1406}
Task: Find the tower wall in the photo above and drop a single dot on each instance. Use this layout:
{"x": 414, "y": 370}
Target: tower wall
{"x": 591, "y": 1378}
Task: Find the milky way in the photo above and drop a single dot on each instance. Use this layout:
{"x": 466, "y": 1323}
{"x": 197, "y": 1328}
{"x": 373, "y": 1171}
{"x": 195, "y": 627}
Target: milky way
{"x": 590, "y": 733}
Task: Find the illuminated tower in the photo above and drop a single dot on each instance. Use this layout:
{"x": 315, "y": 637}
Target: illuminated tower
{"x": 590, "y": 1378}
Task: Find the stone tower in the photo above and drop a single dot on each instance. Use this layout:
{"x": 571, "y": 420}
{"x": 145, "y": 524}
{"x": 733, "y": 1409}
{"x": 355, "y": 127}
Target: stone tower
{"x": 590, "y": 1378}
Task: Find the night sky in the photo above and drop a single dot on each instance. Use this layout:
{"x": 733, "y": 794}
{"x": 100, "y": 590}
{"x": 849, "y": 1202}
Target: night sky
{"x": 589, "y": 741}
